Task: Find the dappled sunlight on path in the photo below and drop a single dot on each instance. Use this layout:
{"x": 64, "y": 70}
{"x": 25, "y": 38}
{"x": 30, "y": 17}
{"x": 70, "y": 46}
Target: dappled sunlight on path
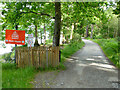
{"x": 87, "y": 68}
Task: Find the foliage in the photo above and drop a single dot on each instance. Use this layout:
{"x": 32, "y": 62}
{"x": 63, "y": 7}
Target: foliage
{"x": 8, "y": 57}
{"x": 76, "y": 38}
{"x": 117, "y": 10}
{"x": 26, "y": 14}
{"x": 48, "y": 41}
{"x": 110, "y": 48}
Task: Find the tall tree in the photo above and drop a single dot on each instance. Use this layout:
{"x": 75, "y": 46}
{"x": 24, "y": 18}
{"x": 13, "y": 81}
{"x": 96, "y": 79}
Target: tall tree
{"x": 56, "y": 37}
{"x": 87, "y": 31}
{"x": 36, "y": 37}
{"x": 44, "y": 34}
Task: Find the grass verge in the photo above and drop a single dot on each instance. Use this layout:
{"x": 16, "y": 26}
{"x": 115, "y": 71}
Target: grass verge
{"x": 0, "y": 76}
{"x": 110, "y": 49}
{"x": 13, "y": 77}
{"x": 71, "y": 49}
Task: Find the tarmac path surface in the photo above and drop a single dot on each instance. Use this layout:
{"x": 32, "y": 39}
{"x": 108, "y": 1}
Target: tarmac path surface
{"x": 87, "y": 68}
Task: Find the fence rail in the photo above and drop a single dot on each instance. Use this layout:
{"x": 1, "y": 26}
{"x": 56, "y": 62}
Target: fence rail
{"x": 37, "y": 56}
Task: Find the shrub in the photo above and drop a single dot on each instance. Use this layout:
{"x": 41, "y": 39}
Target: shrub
{"x": 76, "y": 38}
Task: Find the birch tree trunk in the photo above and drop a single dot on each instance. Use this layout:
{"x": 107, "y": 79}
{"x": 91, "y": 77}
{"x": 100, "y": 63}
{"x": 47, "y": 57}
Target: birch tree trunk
{"x": 75, "y": 26}
{"x": 41, "y": 36}
{"x": 72, "y": 31}
{"x": 108, "y": 32}
{"x": 44, "y": 35}
{"x": 63, "y": 41}
{"x": 91, "y": 36}
{"x": 61, "y": 37}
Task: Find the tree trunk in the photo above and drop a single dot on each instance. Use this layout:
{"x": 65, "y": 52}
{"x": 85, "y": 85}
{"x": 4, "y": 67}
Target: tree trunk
{"x": 72, "y": 31}
{"x": 91, "y": 36}
{"x": 83, "y": 33}
{"x": 41, "y": 36}
{"x": 86, "y": 31}
{"x": 108, "y": 32}
{"x": 36, "y": 39}
{"x": 63, "y": 41}
{"x": 117, "y": 33}
{"x": 44, "y": 35}
{"x": 50, "y": 36}
{"x": 75, "y": 26}
{"x": 56, "y": 37}
{"x": 61, "y": 37}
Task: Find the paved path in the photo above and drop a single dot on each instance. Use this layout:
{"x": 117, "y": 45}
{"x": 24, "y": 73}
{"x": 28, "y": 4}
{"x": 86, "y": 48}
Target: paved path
{"x": 87, "y": 68}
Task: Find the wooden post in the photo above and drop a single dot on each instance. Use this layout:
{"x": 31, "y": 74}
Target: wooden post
{"x": 28, "y": 56}
{"x": 16, "y": 27}
{"x": 47, "y": 56}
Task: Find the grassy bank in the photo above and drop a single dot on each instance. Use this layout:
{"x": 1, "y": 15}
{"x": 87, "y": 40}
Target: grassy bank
{"x": 110, "y": 48}
{"x": 71, "y": 49}
{"x": 13, "y": 77}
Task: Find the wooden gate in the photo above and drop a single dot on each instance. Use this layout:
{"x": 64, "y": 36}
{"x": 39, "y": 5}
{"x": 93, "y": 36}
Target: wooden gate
{"x": 37, "y": 56}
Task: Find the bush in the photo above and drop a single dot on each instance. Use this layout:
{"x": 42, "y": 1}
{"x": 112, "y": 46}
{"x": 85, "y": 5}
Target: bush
{"x": 48, "y": 41}
{"x": 76, "y": 38}
{"x": 9, "y": 57}
{"x": 98, "y": 37}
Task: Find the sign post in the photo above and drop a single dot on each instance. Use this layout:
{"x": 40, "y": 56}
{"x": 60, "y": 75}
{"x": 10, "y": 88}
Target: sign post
{"x": 16, "y": 27}
{"x": 30, "y": 44}
{"x": 30, "y": 40}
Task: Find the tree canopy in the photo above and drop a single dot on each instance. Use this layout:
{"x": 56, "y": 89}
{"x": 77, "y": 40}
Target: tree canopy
{"x": 95, "y": 19}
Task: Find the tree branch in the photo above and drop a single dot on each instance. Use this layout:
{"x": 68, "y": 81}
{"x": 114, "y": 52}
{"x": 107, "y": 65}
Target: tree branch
{"x": 38, "y": 14}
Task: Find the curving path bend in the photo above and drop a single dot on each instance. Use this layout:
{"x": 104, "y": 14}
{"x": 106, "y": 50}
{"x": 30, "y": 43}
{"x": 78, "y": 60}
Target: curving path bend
{"x": 87, "y": 68}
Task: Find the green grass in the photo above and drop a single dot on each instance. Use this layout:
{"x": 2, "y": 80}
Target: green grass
{"x": 71, "y": 49}
{"x": 13, "y": 77}
{"x": 0, "y": 76}
{"x": 110, "y": 48}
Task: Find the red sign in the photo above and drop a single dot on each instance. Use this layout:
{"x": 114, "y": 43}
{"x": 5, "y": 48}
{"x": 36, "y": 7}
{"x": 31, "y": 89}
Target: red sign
{"x": 15, "y": 37}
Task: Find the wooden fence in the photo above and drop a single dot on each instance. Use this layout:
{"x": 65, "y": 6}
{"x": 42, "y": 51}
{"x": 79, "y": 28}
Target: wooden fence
{"x": 37, "y": 56}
